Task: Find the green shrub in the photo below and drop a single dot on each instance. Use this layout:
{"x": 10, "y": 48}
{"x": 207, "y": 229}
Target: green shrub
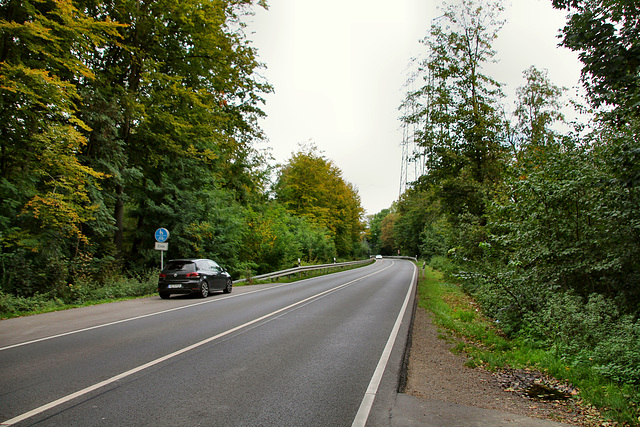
{"x": 444, "y": 265}
{"x": 592, "y": 333}
{"x": 586, "y": 343}
{"x": 81, "y": 293}
{"x": 618, "y": 355}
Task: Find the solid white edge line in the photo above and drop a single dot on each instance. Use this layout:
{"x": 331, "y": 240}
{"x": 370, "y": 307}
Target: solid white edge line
{"x": 367, "y": 402}
{"x": 118, "y": 377}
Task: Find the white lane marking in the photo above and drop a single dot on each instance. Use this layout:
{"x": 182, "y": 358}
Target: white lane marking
{"x": 130, "y": 372}
{"x": 103, "y": 325}
{"x": 77, "y": 331}
{"x": 370, "y": 395}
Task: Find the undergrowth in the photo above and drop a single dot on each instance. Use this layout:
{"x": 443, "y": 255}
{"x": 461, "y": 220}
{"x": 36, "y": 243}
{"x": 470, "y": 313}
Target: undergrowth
{"x": 79, "y": 295}
{"x": 480, "y": 338}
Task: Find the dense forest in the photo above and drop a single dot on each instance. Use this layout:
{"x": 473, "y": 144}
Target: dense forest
{"x": 121, "y": 117}
{"x": 537, "y": 217}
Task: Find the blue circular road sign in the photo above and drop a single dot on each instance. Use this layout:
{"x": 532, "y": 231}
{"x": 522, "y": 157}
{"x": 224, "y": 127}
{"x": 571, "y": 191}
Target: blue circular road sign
{"x": 162, "y": 234}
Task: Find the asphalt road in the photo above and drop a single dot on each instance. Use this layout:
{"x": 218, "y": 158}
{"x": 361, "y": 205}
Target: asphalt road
{"x": 318, "y": 352}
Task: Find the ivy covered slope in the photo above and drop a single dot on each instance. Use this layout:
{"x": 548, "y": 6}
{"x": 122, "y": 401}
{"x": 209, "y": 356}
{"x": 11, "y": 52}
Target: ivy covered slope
{"x": 118, "y": 118}
{"x": 538, "y": 218}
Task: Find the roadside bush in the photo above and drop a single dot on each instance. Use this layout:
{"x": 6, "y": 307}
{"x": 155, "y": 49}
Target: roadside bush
{"x": 444, "y": 265}
{"x": 592, "y": 333}
{"x": 433, "y": 240}
{"x": 113, "y": 288}
{"x": 79, "y": 293}
{"x": 576, "y": 325}
{"x": 269, "y": 239}
{"x": 505, "y": 298}
{"x": 606, "y": 382}
{"x": 618, "y": 356}
{"x": 11, "y": 305}
{"x": 22, "y": 272}
{"x": 316, "y": 243}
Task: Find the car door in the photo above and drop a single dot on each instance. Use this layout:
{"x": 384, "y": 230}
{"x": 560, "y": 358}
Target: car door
{"x": 218, "y": 281}
{"x": 205, "y": 272}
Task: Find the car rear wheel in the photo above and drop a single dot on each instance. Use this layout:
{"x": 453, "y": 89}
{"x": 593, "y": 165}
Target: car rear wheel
{"x": 204, "y": 289}
{"x": 227, "y": 289}
{"x": 164, "y": 295}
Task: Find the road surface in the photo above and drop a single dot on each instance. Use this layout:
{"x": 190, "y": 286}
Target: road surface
{"x": 325, "y": 351}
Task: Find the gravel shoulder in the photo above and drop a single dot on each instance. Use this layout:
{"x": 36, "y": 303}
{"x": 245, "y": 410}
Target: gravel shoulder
{"x": 435, "y": 374}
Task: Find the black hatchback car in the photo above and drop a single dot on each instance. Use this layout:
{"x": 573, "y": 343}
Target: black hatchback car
{"x": 193, "y": 276}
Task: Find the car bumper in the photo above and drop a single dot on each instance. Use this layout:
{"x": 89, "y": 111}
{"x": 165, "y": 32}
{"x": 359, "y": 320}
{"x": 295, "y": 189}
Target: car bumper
{"x": 179, "y": 288}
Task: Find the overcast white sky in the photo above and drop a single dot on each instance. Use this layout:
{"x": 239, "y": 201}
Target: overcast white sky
{"x": 339, "y": 68}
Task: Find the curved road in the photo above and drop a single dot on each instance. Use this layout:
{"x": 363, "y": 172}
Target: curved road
{"x": 318, "y": 352}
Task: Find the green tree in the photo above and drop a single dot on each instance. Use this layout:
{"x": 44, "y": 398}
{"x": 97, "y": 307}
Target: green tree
{"x": 387, "y": 234}
{"x": 275, "y": 239}
{"x": 46, "y": 192}
{"x": 119, "y": 117}
{"x": 173, "y": 115}
{"x": 374, "y": 231}
{"x": 457, "y": 107}
{"x": 538, "y": 107}
{"x": 566, "y": 226}
{"x": 315, "y": 242}
{"x": 269, "y": 239}
{"x": 606, "y": 34}
{"x": 417, "y": 208}
{"x": 311, "y": 186}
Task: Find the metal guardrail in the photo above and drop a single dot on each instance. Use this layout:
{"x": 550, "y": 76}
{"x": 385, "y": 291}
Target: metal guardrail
{"x": 282, "y": 273}
{"x": 410, "y": 258}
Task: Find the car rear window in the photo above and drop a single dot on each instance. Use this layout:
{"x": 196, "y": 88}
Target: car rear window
{"x": 186, "y": 266}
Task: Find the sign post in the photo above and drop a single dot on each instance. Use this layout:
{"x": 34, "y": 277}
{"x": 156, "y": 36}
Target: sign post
{"x": 161, "y": 235}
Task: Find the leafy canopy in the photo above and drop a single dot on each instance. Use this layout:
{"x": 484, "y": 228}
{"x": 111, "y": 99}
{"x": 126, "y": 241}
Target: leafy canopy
{"x": 311, "y": 186}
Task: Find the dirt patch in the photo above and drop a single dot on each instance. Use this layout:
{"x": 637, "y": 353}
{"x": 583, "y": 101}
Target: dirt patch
{"x": 434, "y": 372}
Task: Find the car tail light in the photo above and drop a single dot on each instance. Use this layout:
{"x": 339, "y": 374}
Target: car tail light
{"x": 193, "y": 275}
{"x": 163, "y": 276}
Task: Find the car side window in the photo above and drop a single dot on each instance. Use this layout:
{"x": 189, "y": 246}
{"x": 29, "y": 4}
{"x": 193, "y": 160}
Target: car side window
{"x": 213, "y": 266}
{"x": 203, "y": 265}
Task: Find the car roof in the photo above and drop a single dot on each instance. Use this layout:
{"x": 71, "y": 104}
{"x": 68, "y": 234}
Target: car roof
{"x": 189, "y": 259}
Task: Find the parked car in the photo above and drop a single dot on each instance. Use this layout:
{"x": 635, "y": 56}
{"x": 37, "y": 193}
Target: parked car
{"x": 193, "y": 276}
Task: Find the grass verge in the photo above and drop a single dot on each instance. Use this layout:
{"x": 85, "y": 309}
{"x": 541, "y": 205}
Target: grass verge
{"x": 478, "y": 337}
